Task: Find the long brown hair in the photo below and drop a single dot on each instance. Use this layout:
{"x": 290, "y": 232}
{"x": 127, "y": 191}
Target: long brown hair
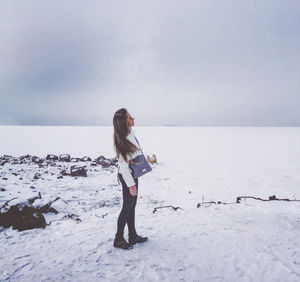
{"x": 121, "y": 131}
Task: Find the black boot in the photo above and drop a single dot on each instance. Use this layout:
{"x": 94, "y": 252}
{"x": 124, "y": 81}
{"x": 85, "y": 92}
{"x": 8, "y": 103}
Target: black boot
{"x": 122, "y": 244}
{"x": 136, "y": 239}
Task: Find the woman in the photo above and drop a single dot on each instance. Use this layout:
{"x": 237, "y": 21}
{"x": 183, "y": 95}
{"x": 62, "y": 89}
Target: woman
{"x": 126, "y": 148}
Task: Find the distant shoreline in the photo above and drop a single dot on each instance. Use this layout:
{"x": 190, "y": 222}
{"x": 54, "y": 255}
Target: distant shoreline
{"x": 163, "y": 125}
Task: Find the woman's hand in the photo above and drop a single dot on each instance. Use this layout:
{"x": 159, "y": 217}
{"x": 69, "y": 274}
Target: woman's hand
{"x": 132, "y": 191}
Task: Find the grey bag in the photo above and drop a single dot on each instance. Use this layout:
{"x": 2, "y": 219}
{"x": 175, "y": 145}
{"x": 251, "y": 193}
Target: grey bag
{"x": 139, "y": 166}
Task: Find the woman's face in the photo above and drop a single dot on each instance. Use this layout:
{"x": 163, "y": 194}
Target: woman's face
{"x": 130, "y": 120}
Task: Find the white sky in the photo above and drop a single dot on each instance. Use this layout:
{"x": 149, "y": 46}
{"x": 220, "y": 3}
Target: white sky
{"x": 168, "y": 62}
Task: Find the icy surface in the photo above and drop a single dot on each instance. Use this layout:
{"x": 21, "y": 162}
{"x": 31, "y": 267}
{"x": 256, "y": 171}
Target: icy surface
{"x": 250, "y": 241}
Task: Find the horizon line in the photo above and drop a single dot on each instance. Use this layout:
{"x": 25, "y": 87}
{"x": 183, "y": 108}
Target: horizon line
{"x": 45, "y": 125}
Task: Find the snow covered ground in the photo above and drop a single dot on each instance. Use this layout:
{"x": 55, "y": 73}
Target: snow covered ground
{"x": 250, "y": 241}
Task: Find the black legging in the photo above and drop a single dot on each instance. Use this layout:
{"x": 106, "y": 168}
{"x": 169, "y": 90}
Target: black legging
{"x": 127, "y": 213}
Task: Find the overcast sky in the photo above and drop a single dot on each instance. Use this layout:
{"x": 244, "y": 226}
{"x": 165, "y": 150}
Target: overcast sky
{"x": 206, "y": 63}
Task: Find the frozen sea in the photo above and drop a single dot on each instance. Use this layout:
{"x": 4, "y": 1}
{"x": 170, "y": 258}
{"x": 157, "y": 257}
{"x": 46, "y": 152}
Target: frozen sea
{"x": 250, "y": 241}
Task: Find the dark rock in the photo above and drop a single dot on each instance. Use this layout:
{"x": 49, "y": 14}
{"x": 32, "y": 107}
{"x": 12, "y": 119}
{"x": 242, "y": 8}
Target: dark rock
{"x": 78, "y": 171}
{"x": 106, "y": 163}
{"x": 51, "y": 157}
{"x": 36, "y": 160}
{"x": 20, "y": 178}
{"x": 32, "y": 199}
{"x": 7, "y": 157}
{"x": 37, "y": 176}
{"x": 86, "y": 159}
{"x": 56, "y": 206}
{"x": 64, "y": 157}
{"x": 4, "y": 178}
{"x": 2, "y": 189}
{"x": 101, "y": 158}
{"x": 64, "y": 173}
{"x": 21, "y": 216}
{"x": 44, "y": 208}
{"x": 3, "y": 162}
{"x": 59, "y": 177}
{"x": 14, "y": 174}
{"x": 25, "y": 157}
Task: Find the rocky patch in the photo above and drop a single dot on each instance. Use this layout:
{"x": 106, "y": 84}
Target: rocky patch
{"x": 28, "y": 214}
{"x": 78, "y": 171}
{"x": 23, "y": 176}
{"x": 63, "y": 162}
{"x": 21, "y": 215}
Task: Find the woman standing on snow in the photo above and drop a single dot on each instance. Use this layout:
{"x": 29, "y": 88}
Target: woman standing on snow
{"x": 126, "y": 148}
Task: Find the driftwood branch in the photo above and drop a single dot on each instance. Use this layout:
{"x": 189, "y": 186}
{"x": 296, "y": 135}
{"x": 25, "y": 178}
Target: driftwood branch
{"x": 213, "y": 202}
{"x": 238, "y": 200}
{"x": 271, "y": 198}
{"x": 174, "y": 208}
